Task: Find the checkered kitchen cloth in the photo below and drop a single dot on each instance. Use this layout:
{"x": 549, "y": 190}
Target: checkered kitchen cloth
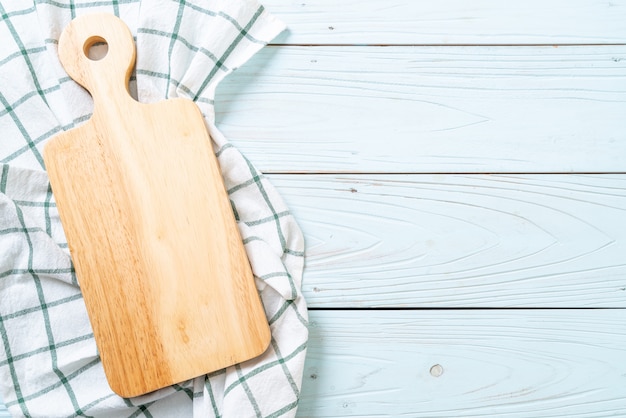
{"x": 49, "y": 365}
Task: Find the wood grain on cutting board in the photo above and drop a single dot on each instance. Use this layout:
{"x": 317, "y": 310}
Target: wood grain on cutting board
{"x": 161, "y": 264}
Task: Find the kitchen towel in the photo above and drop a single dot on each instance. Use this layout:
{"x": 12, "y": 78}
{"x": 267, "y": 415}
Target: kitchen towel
{"x": 49, "y": 365}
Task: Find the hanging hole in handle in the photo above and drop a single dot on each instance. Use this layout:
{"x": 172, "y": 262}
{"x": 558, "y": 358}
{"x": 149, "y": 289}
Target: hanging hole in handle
{"x": 96, "y": 48}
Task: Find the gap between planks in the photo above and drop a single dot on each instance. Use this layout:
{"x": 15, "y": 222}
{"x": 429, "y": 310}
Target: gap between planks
{"x": 463, "y": 308}
{"x": 436, "y": 173}
{"x": 445, "y": 45}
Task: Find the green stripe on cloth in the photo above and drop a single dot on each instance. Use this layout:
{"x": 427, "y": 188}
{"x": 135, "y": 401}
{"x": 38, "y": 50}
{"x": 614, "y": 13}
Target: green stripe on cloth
{"x": 184, "y": 41}
{"x": 223, "y": 148}
{"x": 44, "y": 310}
{"x": 50, "y": 388}
{"x": 19, "y": 12}
{"x": 283, "y": 410}
{"x": 19, "y": 54}
{"x": 174, "y": 36}
{"x": 293, "y": 252}
{"x": 47, "y": 205}
{"x": 83, "y": 5}
{"x": 60, "y": 344}
{"x": 43, "y": 137}
{"x": 142, "y": 410}
{"x": 36, "y": 271}
{"x": 18, "y": 230}
{"x": 275, "y": 216}
{"x": 10, "y": 362}
{"x": 3, "y": 178}
{"x": 23, "y": 99}
{"x": 23, "y": 50}
{"x": 33, "y": 203}
{"x": 97, "y": 401}
{"x": 289, "y": 304}
{"x": 280, "y": 312}
{"x": 271, "y": 218}
{"x": 229, "y": 18}
{"x": 269, "y": 365}
{"x": 37, "y": 308}
{"x": 207, "y": 385}
{"x": 187, "y": 391}
{"x": 242, "y": 32}
{"x": 22, "y": 129}
{"x": 282, "y": 361}
{"x": 170, "y": 80}
{"x": 246, "y": 388}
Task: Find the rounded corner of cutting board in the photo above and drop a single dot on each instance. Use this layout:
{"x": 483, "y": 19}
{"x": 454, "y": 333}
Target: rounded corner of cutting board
{"x": 119, "y": 387}
{"x": 121, "y": 391}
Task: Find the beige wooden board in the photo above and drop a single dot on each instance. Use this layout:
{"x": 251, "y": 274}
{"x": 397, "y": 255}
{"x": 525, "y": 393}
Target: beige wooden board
{"x": 493, "y": 363}
{"x": 429, "y": 109}
{"x": 461, "y": 240}
{"x": 451, "y": 21}
{"x": 166, "y": 281}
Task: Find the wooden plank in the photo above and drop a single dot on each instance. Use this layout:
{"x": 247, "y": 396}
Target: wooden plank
{"x": 451, "y": 21}
{"x": 538, "y": 363}
{"x": 461, "y": 240}
{"x": 429, "y": 109}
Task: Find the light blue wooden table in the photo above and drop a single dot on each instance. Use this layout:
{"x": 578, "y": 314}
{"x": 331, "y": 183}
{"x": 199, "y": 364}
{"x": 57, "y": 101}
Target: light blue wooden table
{"x": 459, "y": 170}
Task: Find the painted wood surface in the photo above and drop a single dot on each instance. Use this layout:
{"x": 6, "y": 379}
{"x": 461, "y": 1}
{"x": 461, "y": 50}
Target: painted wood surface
{"x": 429, "y": 109}
{"x": 484, "y": 363}
{"x": 461, "y": 240}
{"x": 476, "y": 22}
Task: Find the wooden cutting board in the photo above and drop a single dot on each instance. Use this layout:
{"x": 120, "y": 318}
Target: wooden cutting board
{"x": 158, "y": 255}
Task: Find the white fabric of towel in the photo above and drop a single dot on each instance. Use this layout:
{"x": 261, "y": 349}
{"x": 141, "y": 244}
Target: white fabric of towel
{"x": 49, "y": 364}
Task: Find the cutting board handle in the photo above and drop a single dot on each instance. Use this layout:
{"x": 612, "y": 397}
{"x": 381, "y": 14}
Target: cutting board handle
{"x": 106, "y": 79}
